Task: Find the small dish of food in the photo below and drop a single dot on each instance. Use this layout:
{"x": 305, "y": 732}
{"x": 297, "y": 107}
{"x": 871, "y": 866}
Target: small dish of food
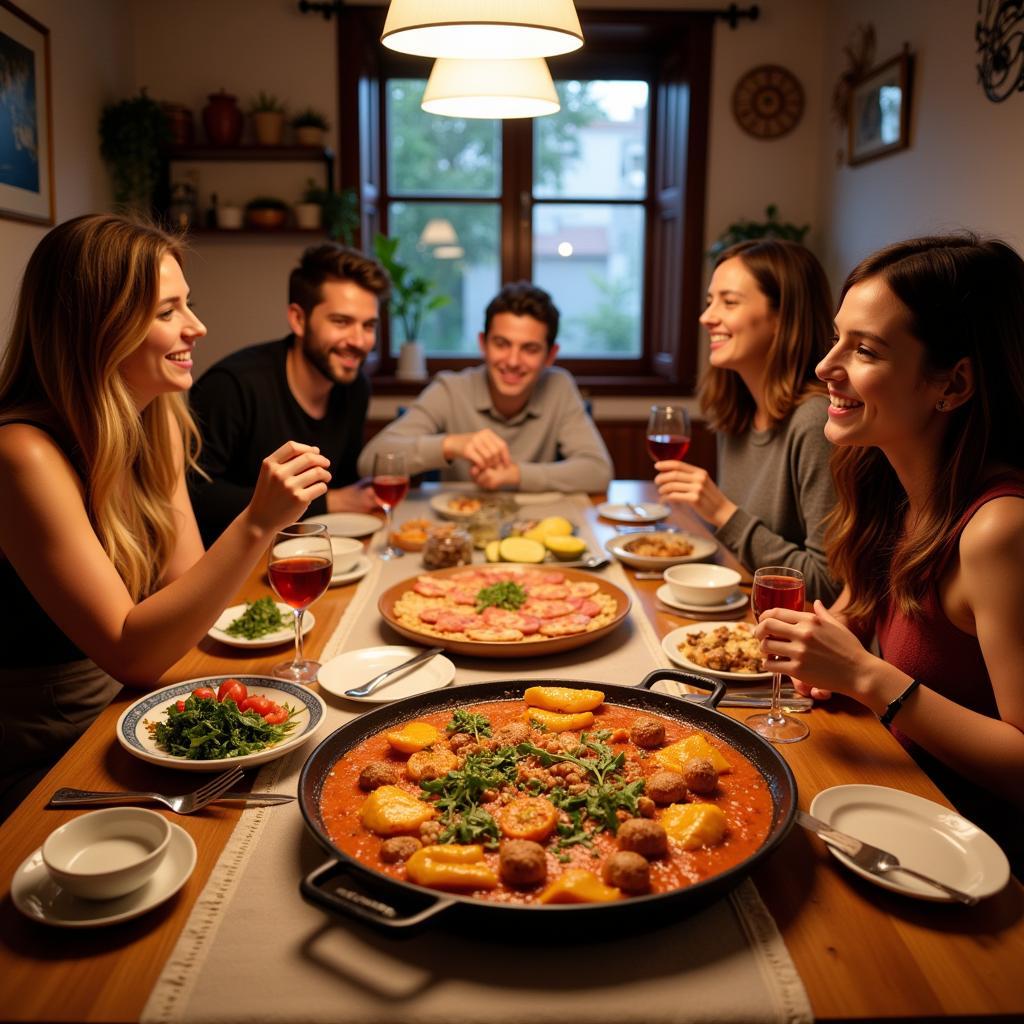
{"x": 702, "y": 583}
{"x": 728, "y": 650}
{"x": 659, "y": 550}
{"x": 260, "y": 623}
{"x": 456, "y": 505}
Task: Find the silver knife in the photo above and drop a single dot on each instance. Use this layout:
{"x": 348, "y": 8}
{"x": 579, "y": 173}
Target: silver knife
{"x": 871, "y": 858}
{"x": 378, "y": 681}
{"x": 81, "y": 797}
{"x": 749, "y": 700}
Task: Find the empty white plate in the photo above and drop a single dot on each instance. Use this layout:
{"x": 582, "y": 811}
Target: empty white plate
{"x": 39, "y": 897}
{"x": 621, "y": 514}
{"x": 354, "y": 668}
{"x": 348, "y": 524}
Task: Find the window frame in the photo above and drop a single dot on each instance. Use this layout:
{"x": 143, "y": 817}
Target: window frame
{"x": 672, "y": 51}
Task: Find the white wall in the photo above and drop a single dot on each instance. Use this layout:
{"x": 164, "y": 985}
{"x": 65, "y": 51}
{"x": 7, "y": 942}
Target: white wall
{"x": 90, "y": 58}
{"x": 965, "y": 164}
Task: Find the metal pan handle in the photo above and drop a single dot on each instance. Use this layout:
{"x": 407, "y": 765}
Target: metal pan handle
{"x": 716, "y": 686}
{"x": 340, "y": 898}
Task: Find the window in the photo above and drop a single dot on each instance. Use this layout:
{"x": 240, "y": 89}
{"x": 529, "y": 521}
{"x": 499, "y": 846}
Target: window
{"x": 601, "y": 204}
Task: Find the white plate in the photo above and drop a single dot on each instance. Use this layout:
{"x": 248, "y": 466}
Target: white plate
{"x": 924, "y": 835}
{"x": 357, "y": 572}
{"x": 735, "y": 604}
{"x": 354, "y": 668}
{"x": 133, "y": 735}
{"x": 439, "y": 503}
{"x": 348, "y": 524}
{"x": 621, "y": 514}
{"x": 39, "y": 897}
{"x": 703, "y": 547}
{"x": 670, "y": 645}
{"x": 284, "y": 635}
{"x": 526, "y": 499}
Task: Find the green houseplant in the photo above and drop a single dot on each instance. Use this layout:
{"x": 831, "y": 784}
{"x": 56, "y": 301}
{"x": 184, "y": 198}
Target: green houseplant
{"x": 309, "y": 126}
{"x": 267, "y": 113}
{"x": 133, "y": 134}
{"x": 340, "y": 210}
{"x": 411, "y": 293}
{"x": 746, "y": 230}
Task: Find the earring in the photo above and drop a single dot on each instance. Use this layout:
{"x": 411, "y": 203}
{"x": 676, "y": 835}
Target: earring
{"x": 940, "y": 404}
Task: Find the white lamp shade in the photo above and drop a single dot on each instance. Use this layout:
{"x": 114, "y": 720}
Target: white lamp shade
{"x": 506, "y": 29}
{"x": 449, "y": 252}
{"x": 490, "y": 89}
{"x": 438, "y": 231}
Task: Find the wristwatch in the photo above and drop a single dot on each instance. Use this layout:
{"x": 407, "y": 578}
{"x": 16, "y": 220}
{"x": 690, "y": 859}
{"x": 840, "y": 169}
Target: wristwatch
{"x": 893, "y": 707}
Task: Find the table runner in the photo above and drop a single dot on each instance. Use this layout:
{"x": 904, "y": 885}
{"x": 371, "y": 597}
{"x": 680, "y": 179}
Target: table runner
{"x": 254, "y": 951}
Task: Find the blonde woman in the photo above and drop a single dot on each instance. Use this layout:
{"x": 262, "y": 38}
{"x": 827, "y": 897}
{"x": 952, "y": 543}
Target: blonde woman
{"x": 769, "y": 320}
{"x": 101, "y": 565}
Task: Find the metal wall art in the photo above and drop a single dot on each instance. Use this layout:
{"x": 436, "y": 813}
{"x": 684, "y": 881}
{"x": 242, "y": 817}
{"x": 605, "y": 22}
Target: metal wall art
{"x": 1000, "y": 38}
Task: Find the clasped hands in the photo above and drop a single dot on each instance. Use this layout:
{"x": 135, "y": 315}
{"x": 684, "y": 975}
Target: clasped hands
{"x": 490, "y": 462}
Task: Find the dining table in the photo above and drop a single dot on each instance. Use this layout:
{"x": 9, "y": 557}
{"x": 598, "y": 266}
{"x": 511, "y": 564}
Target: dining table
{"x": 862, "y": 952}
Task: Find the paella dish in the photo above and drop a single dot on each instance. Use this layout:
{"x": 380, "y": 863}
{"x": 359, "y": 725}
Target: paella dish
{"x": 556, "y": 798}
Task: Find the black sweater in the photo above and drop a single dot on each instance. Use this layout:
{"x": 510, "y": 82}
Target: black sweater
{"x": 245, "y": 411}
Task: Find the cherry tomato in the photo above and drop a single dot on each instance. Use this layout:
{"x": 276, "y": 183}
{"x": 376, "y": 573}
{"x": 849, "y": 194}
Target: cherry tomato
{"x": 276, "y": 717}
{"x": 181, "y": 705}
{"x": 234, "y": 689}
{"x": 258, "y": 703}
{"x": 204, "y": 693}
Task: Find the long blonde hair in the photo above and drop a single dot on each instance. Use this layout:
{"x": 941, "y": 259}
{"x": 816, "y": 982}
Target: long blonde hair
{"x": 964, "y": 297}
{"x": 87, "y": 301}
{"x": 794, "y": 283}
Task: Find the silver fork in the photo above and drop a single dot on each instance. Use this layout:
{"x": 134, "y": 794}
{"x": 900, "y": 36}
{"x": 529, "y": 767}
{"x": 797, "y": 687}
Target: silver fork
{"x": 184, "y": 804}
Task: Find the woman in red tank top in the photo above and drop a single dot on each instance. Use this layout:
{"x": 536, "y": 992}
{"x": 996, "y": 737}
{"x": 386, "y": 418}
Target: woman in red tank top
{"x": 926, "y": 388}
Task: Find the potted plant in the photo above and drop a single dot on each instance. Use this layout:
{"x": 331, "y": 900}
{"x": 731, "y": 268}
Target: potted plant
{"x": 266, "y": 212}
{"x": 133, "y": 134}
{"x": 267, "y": 119}
{"x": 339, "y": 211}
{"x": 310, "y": 126}
{"x": 746, "y": 230}
{"x": 411, "y": 297}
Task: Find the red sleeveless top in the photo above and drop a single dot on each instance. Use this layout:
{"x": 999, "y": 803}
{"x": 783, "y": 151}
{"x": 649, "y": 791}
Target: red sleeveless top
{"x": 929, "y": 647}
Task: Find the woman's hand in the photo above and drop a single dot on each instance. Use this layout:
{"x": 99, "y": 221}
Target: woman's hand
{"x": 289, "y": 480}
{"x": 682, "y": 484}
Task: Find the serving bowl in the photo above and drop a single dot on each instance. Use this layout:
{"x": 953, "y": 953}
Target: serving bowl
{"x": 108, "y": 853}
{"x": 701, "y": 582}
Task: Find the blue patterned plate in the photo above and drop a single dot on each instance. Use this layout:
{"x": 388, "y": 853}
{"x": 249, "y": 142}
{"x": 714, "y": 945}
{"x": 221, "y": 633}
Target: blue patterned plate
{"x": 133, "y": 727}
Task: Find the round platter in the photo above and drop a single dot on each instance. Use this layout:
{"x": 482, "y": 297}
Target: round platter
{"x": 528, "y": 649}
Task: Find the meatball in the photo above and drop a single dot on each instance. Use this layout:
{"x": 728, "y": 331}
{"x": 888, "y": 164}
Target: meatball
{"x": 377, "y": 773}
{"x": 627, "y": 871}
{"x": 666, "y": 787}
{"x": 700, "y": 775}
{"x": 398, "y": 848}
{"x": 458, "y": 740}
{"x": 647, "y": 733}
{"x": 643, "y": 836}
{"x": 510, "y": 735}
{"x": 645, "y": 807}
{"x": 430, "y": 764}
{"x": 522, "y": 862}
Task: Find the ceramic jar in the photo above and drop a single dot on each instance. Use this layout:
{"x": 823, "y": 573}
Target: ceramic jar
{"x": 222, "y": 119}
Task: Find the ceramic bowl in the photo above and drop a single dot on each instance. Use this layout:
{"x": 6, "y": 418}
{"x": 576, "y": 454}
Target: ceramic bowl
{"x": 346, "y": 553}
{"x": 701, "y": 583}
{"x": 108, "y": 853}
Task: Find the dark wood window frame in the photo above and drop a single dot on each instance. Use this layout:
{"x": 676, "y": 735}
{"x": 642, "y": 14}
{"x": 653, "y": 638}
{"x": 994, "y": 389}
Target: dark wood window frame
{"x": 672, "y": 50}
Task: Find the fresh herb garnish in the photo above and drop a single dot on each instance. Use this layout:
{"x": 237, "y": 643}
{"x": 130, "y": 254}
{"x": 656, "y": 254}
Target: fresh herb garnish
{"x": 508, "y": 595}
{"x": 467, "y": 721}
{"x": 259, "y": 618}
{"x": 210, "y": 729}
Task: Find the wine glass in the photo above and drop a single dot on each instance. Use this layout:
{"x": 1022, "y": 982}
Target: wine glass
{"x": 390, "y": 484}
{"x": 300, "y": 565}
{"x": 668, "y": 432}
{"x": 776, "y": 586}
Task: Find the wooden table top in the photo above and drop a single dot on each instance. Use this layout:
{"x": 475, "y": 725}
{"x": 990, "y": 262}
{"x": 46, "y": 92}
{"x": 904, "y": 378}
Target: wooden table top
{"x": 862, "y": 952}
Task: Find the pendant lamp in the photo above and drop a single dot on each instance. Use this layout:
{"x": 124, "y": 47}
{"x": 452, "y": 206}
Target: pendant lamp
{"x": 438, "y": 231}
{"x": 490, "y": 89}
{"x": 504, "y": 29}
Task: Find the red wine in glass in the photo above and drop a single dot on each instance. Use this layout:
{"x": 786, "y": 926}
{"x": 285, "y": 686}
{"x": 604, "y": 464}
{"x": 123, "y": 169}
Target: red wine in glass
{"x": 300, "y": 581}
{"x": 668, "y": 446}
{"x": 390, "y": 490}
{"x": 390, "y": 483}
{"x": 772, "y": 591}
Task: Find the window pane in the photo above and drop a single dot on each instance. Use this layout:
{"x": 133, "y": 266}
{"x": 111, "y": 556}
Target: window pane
{"x": 464, "y": 265}
{"x": 440, "y": 156}
{"x": 590, "y": 257}
{"x": 596, "y": 145}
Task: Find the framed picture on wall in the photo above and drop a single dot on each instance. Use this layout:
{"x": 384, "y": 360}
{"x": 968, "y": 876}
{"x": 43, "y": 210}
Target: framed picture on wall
{"x": 26, "y": 134}
{"x": 880, "y": 111}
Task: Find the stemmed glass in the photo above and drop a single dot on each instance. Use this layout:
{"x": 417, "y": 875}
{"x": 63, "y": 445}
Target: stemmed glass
{"x": 668, "y": 432}
{"x": 390, "y": 484}
{"x": 300, "y": 565}
{"x": 776, "y": 586}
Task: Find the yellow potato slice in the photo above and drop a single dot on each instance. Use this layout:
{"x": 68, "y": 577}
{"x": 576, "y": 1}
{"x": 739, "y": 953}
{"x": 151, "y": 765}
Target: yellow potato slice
{"x": 492, "y": 552}
{"x": 391, "y": 811}
{"x": 579, "y": 886}
{"x": 555, "y": 722}
{"x": 451, "y": 866}
{"x": 412, "y": 736}
{"x": 565, "y": 548}
{"x": 563, "y": 698}
{"x": 675, "y": 755}
{"x": 521, "y": 549}
{"x": 694, "y": 825}
{"x": 555, "y": 526}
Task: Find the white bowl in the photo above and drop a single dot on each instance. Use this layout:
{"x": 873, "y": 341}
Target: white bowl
{"x": 106, "y": 854}
{"x": 346, "y": 553}
{"x": 701, "y": 583}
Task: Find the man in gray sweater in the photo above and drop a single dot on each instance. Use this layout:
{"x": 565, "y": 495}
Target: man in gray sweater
{"x": 515, "y": 422}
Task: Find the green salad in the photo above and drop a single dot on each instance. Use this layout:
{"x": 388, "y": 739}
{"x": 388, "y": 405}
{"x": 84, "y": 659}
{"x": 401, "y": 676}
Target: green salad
{"x": 259, "y": 618}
